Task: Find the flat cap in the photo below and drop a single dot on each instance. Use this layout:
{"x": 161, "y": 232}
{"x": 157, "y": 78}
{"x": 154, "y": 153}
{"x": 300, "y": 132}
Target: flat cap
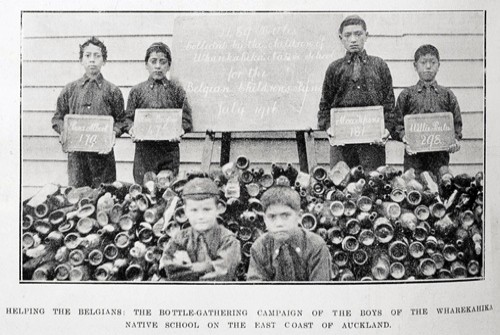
{"x": 200, "y": 186}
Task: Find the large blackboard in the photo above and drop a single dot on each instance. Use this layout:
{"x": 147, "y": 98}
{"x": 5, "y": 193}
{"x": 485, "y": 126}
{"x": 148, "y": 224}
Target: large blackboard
{"x": 254, "y": 71}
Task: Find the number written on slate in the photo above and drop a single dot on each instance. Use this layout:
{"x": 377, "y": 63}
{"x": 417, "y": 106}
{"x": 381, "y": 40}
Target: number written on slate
{"x": 158, "y": 124}
{"x": 357, "y": 124}
{"x": 429, "y": 132}
{"x": 88, "y": 133}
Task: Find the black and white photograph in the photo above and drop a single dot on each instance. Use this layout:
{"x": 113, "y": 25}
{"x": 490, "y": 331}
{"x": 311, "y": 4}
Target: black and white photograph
{"x": 236, "y": 168}
{"x": 391, "y": 189}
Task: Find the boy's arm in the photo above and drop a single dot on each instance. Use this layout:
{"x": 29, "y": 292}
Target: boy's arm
{"x": 174, "y": 271}
{"x": 320, "y": 264}
{"x": 457, "y": 115}
{"x": 223, "y": 267}
{"x": 130, "y": 111}
{"x": 118, "y": 111}
{"x": 325, "y": 104}
{"x": 256, "y": 270}
{"x": 62, "y": 108}
{"x": 388, "y": 97}
{"x": 398, "y": 130}
{"x": 457, "y": 121}
{"x": 187, "y": 118}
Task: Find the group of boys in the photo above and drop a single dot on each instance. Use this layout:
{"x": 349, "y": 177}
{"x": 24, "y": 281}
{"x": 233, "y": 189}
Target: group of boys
{"x": 94, "y": 95}
{"x": 359, "y": 80}
{"x": 206, "y": 250}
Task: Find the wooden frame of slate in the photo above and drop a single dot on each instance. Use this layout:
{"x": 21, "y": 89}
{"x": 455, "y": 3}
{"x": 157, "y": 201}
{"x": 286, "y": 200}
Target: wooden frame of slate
{"x": 88, "y": 133}
{"x": 158, "y": 124}
{"x": 429, "y": 131}
{"x": 357, "y": 124}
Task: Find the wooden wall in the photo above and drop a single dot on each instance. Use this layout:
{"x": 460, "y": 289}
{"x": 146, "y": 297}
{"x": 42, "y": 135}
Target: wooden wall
{"x": 50, "y": 60}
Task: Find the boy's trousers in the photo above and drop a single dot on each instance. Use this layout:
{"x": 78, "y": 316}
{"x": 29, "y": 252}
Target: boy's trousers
{"x": 91, "y": 169}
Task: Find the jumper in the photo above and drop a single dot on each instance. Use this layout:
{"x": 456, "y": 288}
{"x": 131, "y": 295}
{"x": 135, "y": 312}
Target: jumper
{"x": 87, "y": 96}
{"x": 372, "y": 88}
{"x": 426, "y": 98}
{"x": 309, "y": 258}
{"x": 157, "y": 155}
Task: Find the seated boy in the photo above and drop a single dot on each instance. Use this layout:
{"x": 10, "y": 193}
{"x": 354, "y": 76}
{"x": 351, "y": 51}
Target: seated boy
{"x": 205, "y": 250}
{"x": 287, "y": 252}
{"x": 427, "y": 97}
{"x": 91, "y": 95}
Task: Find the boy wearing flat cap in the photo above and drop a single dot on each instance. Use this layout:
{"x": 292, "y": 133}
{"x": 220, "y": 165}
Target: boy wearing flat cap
{"x": 206, "y": 250}
{"x": 287, "y": 252}
{"x": 357, "y": 80}
{"x": 157, "y": 92}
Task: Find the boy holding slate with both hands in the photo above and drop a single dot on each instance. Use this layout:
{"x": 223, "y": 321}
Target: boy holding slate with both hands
{"x": 157, "y": 92}
{"x": 427, "y": 97}
{"x": 91, "y": 95}
{"x": 357, "y": 80}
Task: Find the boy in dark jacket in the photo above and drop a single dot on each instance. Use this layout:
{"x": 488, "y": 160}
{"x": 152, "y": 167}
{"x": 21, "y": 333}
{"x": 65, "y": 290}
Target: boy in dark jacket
{"x": 357, "y": 80}
{"x": 91, "y": 95}
{"x": 427, "y": 97}
{"x": 287, "y": 252}
{"x": 157, "y": 92}
{"x": 206, "y": 250}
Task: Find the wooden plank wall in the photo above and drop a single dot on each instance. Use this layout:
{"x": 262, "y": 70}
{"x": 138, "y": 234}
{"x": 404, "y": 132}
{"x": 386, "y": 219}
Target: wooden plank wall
{"x": 50, "y": 60}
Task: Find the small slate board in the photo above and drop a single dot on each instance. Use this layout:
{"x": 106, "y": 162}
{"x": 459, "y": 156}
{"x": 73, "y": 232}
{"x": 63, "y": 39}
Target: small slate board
{"x": 158, "y": 124}
{"x": 357, "y": 124}
{"x": 88, "y": 133}
{"x": 429, "y": 131}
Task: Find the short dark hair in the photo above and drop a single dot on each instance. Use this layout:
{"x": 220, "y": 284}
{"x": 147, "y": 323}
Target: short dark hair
{"x": 159, "y": 47}
{"x": 426, "y": 49}
{"x": 98, "y": 43}
{"x": 352, "y": 20}
{"x": 281, "y": 195}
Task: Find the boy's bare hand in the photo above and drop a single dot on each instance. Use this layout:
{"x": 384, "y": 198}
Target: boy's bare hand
{"x": 178, "y": 139}
{"x": 171, "y": 267}
{"x": 201, "y": 267}
{"x": 331, "y": 137}
{"x": 131, "y": 132}
{"x": 454, "y": 147}
{"x": 112, "y": 145}
{"x": 384, "y": 138}
{"x": 407, "y": 147}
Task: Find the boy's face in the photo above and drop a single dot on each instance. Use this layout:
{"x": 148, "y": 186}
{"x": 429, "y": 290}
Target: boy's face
{"x": 202, "y": 214}
{"x": 353, "y": 38}
{"x": 157, "y": 65}
{"x": 281, "y": 220}
{"x": 92, "y": 60}
{"x": 427, "y": 67}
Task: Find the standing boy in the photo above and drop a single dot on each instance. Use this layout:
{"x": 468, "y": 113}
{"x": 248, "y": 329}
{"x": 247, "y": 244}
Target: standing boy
{"x": 206, "y": 250}
{"x": 357, "y": 80}
{"x": 157, "y": 92}
{"x": 287, "y": 252}
{"x": 427, "y": 97}
{"x": 91, "y": 95}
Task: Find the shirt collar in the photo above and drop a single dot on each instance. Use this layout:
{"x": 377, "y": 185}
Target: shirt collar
{"x": 85, "y": 79}
{"x": 152, "y": 82}
{"x": 363, "y": 56}
{"x": 209, "y": 235}
{"x": 294, "y": 241}
{"x": 421, "y": 85}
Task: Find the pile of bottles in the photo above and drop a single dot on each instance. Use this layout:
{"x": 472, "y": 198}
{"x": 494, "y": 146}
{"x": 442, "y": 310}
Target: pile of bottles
{"x": 378, "y": 225}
